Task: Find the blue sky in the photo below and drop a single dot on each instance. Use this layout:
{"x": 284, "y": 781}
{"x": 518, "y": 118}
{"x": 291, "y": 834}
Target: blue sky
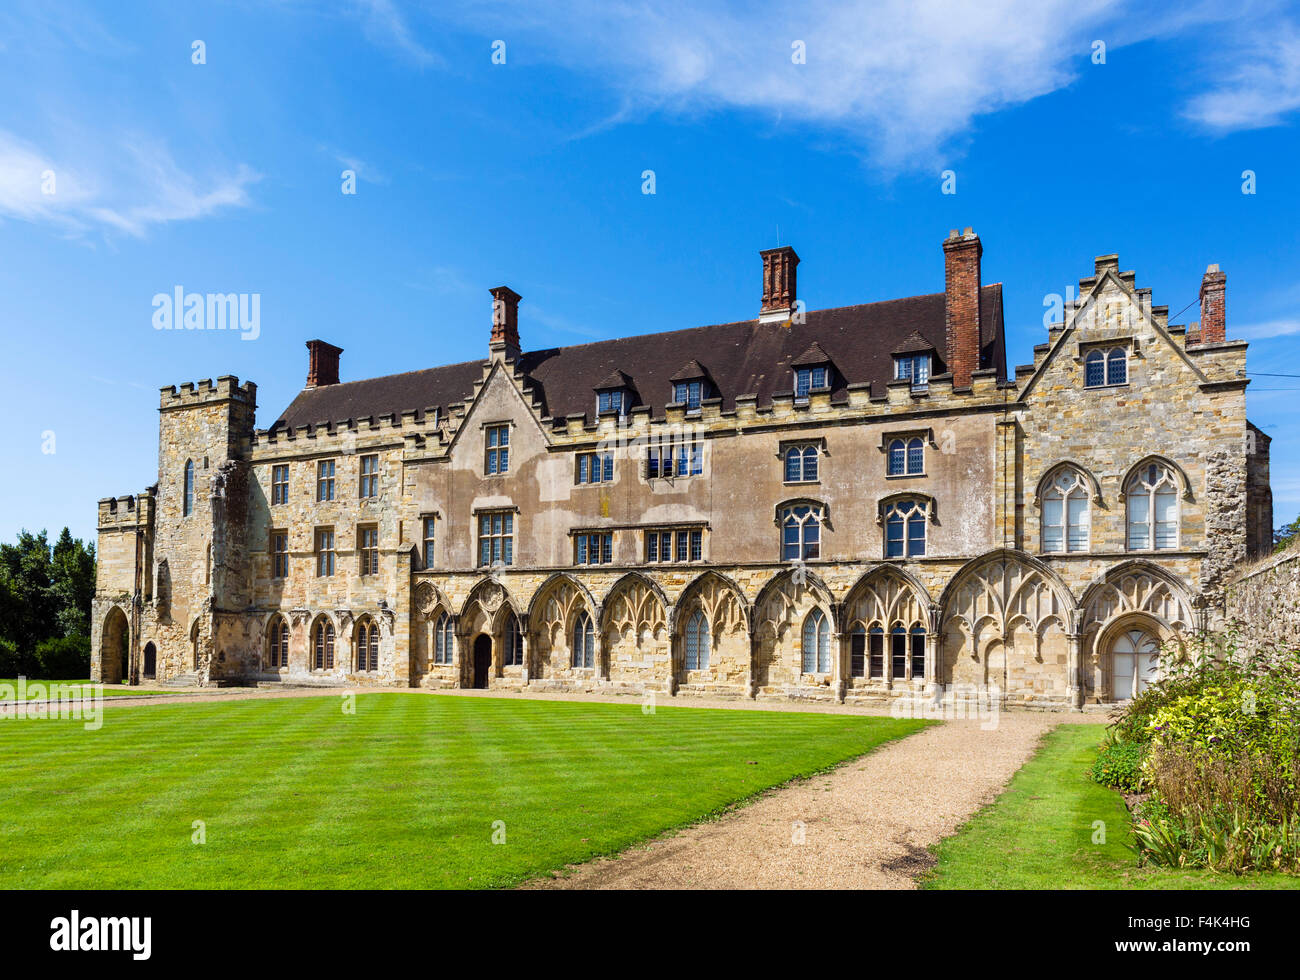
{"x": 225, "y": 177}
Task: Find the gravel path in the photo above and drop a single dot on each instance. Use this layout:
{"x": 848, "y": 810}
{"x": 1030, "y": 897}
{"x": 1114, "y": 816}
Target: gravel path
{"x": 866, "y": 824}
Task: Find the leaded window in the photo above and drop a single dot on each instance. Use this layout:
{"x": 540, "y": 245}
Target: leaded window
{"x": 809, "y": 379}
{"x": 801, "y": 532}
{"x": 1066, "y": 514}
{"x": 685, "y": 545}
{"x": 801, "y": 464}
{"x": 429, "y": 540}
{"x": 367, "y": 645}
{"x": 697, "y": 641}
{"x": 323, "y": 646}
{"x": 368, "y": 547}
{"x": 369, "y": 476}
{"x": 279, "y": 554}
{"x": 675, "y": 457}
{"x": 905, "y": 528}
{"x": 593, "y": 548}
{"x": 1152, "y": 498}
{"x": 914, "y": 368}
{"x": 325, "y": 479}
{"x": 595, "y": 467}
{"x": 689, "y": 393}
{"x": 816, "y": 643}
{"x": 498, "y": 450}
{"x": 496, "y": 537}
{"x": 584, "y": 642}
{"x": 278, "y": 641}
{"x": 324, "y": 552}
{"x": 279, "y": 484}
{"x": 513, "y": 655}
{"x": 907, "y": 457}
{"x": 444, "y": 639}
{"x": 1102, "y": 368}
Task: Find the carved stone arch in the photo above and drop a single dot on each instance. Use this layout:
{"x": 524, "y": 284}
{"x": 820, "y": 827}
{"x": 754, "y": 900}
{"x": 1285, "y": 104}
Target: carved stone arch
{"x": 708, "y": 591}
{"x": 821, "y": 506}
{"x": 879, "y": 593}
{"x": 634, "y": 602}
{"x": 544, "y": 590}
{"x": 994, "y": 585}
{"x": 784, "y": 590}
{"x": 1094, "y": 487}
{"x": 428, "y": 601}
{"x": 489, "y": 595}
{"x": 1180, "y": 475}
{"x": 931, "y": 504}
{"x": 1139, "y": 586}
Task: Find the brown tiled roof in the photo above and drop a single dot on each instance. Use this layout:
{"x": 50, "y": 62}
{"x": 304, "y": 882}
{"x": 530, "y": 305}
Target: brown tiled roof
{"x": 813, "y": 356}
{"x": 742, "y": 358}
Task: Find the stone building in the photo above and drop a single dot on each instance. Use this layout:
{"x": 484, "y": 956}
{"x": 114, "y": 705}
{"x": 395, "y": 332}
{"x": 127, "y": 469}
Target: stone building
{"x": 849, "y": 504}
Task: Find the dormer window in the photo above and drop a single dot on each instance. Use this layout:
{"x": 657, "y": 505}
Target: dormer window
{"x": 689, "y": 393}
{"x": 808, "y": 379}
{"x": 914, "y": 368}
{"x": 612, "y": 401}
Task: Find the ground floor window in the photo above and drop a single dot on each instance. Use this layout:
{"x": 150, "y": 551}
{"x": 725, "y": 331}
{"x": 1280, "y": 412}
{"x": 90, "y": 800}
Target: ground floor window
{"x": 1135, "y": 664}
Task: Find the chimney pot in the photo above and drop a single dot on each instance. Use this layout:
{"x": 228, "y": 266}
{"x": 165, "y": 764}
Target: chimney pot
{"x": 779, "y": 283}
{"x": 962, "y": 305}
{"x": 322, "y": 364}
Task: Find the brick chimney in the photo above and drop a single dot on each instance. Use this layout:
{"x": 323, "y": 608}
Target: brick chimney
{"x": 961, "y": 260}
{"x": 505, "y": 322}
{"x": 779, "y": 279}
{"x": 322, "y": 363}
{"x": 1214, "y": 327}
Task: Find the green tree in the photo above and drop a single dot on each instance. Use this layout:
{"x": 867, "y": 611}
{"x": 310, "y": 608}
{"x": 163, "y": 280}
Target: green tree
{"x": 1286, "y": 535}
{"x": 45, "y": 592}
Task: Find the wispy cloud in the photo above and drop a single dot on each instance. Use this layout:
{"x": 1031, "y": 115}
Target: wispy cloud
{"x": 133, "y": 186}
{"x": 1284, "y": 327}
{"x": 384, "y": 24}
{"x": 1260, "y": 83}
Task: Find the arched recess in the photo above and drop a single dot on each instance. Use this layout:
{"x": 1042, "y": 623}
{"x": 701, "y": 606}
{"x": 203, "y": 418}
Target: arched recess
{"x": 634, "y": 625}
{"x": 727, "y": 614}
{"x": 551, "y": 616}
{"x": 1134, "y": 592}
{"x": 114, "y": 647}
{"x": 1180, "y": 475}
{"x": 1006, "y": 619}
{"x": 428, "y": 607}
{"x": 884, "y": 604}
{"x": 780, "y": 611}
{"x": 323, "y": 644}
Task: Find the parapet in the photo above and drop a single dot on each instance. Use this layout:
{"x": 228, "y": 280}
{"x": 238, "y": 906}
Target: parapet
{"x": 226, "y": 388}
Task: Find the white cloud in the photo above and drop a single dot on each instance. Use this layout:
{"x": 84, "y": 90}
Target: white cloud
{"x": 1260, "y": 83}
{"x": 1285, "y": 327}
{"x": 133, "y": 186}
{"x": 902, "y": 77}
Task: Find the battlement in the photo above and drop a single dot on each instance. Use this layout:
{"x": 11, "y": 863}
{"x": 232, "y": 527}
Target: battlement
{"x": 128, "y": 511}
{"x": 205, "y": 392}
{"x": 340, "y": 431}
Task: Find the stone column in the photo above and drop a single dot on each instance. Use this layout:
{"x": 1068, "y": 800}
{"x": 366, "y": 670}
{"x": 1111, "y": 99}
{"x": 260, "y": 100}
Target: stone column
{"x": 1075, "y": 688}
{"x": 837, "y": 666}
{"x": 525, "y": 640}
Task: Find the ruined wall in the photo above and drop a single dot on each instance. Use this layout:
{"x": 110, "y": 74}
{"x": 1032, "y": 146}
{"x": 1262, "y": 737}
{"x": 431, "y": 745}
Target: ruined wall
{"x": 1265, "y": 601}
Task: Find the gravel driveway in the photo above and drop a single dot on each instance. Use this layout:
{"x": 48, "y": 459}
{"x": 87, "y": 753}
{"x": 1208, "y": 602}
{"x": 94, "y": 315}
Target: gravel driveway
{"x": 865, "y": 824}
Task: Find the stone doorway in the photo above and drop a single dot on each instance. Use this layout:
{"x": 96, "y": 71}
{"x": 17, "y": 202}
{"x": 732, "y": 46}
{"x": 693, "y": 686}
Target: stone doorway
{"x": 150, "y": 661}
{"x": 482, "y": 661}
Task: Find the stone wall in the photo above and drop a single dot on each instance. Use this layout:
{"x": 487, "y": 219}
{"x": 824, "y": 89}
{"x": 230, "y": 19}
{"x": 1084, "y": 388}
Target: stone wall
{"x": 1265, "y": 600}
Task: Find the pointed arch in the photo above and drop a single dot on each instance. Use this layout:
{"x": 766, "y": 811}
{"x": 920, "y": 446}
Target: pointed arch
{"x": 886, "y": 594}
{"x": 549, "y": 585}
{"x": 1089, "y": 480}
{"x": 428, "y": 600}
{"x": 323, "y": 637}
{"x": 1001, "y": 584}
{"x": 723, "y": 600}
{"x": 1138, "y": 586}
{"x": 783, "y": 590}
{"x": 490, "y": 596}
{"x": 277, "y": 642}
{"x": 637, "y": 603}
{"x": 1180, "y": 475}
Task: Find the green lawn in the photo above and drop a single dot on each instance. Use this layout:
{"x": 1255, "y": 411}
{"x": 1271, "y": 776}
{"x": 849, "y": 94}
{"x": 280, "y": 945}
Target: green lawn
{"x": 293, "y": 792}
{"x": 1038, "y": 833}
{"x": 110, "y": 690}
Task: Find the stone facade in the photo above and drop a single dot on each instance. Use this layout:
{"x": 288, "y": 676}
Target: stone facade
{"x": 196, "y": 591}
{"x": 1264, "y": 602}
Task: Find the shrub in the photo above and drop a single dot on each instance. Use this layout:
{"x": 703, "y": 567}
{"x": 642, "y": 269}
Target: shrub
{"x": 64, "y": 657}
{"x": 1119, "y": 765}
{"x": 11, "y": 661}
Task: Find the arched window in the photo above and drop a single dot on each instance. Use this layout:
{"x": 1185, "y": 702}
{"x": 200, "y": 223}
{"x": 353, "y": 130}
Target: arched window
{"x": 513, "y": 655}
{"x": 1066, "y": 517}
{"x": 1152, "y": 498}
{"x": 444, "y": 639}
{"x": 1135, "y": 664}
{"x": 367, "y": 645}
{"x": 858, "y": 652}
{"x": 1117, "y": 367}
{"x": 816, "y": 644}
{"x": 697, "y": 641}
{"x": 905, "y": 528}
{"x": 918, "y": 651}
{"x": 1102, "y": 368}
{"x": 187, "y": 503}
{"x": 584, "y": 642}
{"x": 801, "y": 532}
{"x": 898, "y": 652}
{"x": 277, "y": 636}
{"x": 907, "y": 457}
{"x": 801, "y": 464}
{"x": 323, "y": 645}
